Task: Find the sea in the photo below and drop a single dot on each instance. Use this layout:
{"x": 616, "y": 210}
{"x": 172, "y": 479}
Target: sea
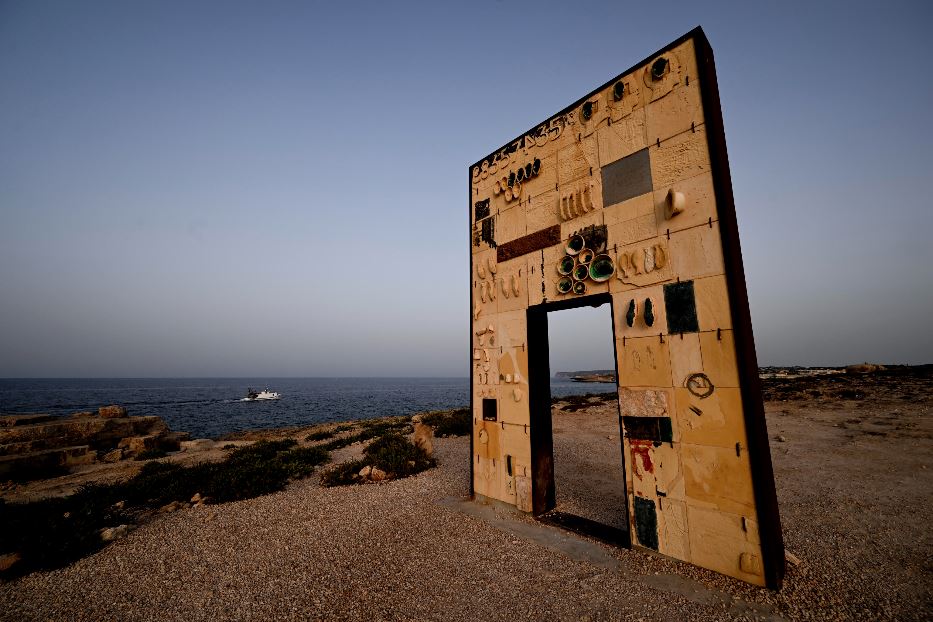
{"x": 213, "y": 407}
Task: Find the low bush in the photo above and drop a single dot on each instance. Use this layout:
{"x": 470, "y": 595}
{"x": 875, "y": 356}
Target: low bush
{"x": 449, "y": 422}
{"x": 397, "y": 456}
{"x": 343, "y": 474}
{"x": 56, "y": 532}
{"x": 322, "y": 435}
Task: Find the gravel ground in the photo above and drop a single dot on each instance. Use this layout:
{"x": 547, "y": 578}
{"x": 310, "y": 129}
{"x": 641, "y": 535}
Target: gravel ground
{"x": 853, "y": 480}
{"x": 588, "y": 476}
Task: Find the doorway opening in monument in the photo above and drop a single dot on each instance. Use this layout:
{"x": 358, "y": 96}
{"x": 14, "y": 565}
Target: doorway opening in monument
{"x": 589, "y": 476}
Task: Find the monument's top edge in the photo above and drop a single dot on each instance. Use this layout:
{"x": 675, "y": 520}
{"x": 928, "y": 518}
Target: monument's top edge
{"x": 696, "y": 34}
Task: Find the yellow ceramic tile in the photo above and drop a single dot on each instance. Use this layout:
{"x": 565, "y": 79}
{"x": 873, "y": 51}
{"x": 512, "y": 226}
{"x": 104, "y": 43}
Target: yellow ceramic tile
{"x": 717, "y": 478}
{"x": 717, "y": 542}
{"x": 642, "y": 264}
{"x": 512, "y": 281}
{"x": 619, "y": 109}
{"x": 685, "y": 357}
{"x": 510, "y": 224}
{"x": 712, "y": 301}
{"x": 678, "y": 111}
{"x": 486, "y": 439}
{"x": 513, "y": 367}
{"x": 512, "y": 329}
{"x": 622, "y": 137}
{"x": 621, "y": 301}
{"x": 485, "y": 477}
{"x": 577, "y": 160}
{"x": 643, "y": 362}
{"x": 569, "y": 227}
{"x": 551, "y": 276}
{"x": 658, "y": 87}
{"x": 686, "y": 54}
{"x": 694, "y": 198}
{"x": 633, "y": 230}
{"x": 631, "y": 209}
{"x": 541, "y": 211}
{"x": 485, "y": 294}
{"x": 719, "y": 360}
{"x": 536, "y": 275}
{"x": 696, "y": 252}
{"x": 516, "y": 442}
{"x": 599, "y": 115}
{"x": 684, "y": 156}
{"x": 673, "y": 533}
{"x": 578, "y": 198}
{"x": 716, "y": 420}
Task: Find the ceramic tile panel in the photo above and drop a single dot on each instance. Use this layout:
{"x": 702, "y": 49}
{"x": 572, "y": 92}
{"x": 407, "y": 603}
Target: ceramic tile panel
{"x": 577, "y": 160}
{"x": 719, "y": 362}
{"x": 639, "y": 312}
{"x": 485, "y": 477}
{"x": 712, "y": 302}
{"x": 678, "y": 158}
{"x": 512, "y": 329}
{"x": 678, "y": 111}
{"x": 640, "y": 264}
{"x": 512, "y": 281}
{"x": 569, "y": 227}
{"x": 622, "y": 137}
{"x": 634, "y": 230}
{"x": 716, "y": 420}
{"x": 718, "y": 478}
{"x": 486, "y": 439}
{"x": 630, "y": 209}
{"x": 719, "y": 541}
{"x": 685, "y": 204}
{"x": 542, "y": 211}
{"x": 686, "y": 358}
{"x": 697, "y": 252}
{"x": 643, "y": 362}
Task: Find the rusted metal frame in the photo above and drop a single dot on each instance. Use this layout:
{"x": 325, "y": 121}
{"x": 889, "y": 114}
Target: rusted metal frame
{"x": 769, "y": 520}
{"x": 470, "y": 332}
{"x": 539, "y": 406}
{"x": 541, "y": 430}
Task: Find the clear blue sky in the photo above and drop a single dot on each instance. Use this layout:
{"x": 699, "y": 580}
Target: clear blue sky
{"x": 278, "y": 188}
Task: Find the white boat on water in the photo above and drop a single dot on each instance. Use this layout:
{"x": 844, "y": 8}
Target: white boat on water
{"x": 254, "y": 396}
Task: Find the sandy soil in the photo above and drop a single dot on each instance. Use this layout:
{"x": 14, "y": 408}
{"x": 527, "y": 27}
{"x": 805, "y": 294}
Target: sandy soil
{"x": 854, "y": 484}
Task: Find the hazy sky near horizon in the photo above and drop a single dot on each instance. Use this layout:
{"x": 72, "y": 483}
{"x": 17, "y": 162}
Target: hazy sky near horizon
{"x": 278, "y": 188}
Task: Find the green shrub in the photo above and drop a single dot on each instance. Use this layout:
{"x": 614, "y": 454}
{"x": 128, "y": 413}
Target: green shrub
{"x": 322, "y": 435}
{"x": 56, "y": 532}
{"x": 449, "y": 422}
{"x": 397, "y": 456}
{"x": 343, "y": 474}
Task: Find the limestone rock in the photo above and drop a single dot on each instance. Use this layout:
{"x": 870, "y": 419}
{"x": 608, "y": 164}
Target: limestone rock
{"x": 114, "y": 533}
{"x": 172, "y": 507}
{"x": 423, "y": 437}
{"x": 8, "y": 561}
{"x": 365, "y": 471}
{"x": 377, "y": 475}
{"x": 113, "y": 456}
{"x": 112, "y": 412}
{"x": 84, "y": 414}
{"x": 198, "y": 444}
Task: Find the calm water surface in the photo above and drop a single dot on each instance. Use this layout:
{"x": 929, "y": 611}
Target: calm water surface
{"x": 211, "y": 407}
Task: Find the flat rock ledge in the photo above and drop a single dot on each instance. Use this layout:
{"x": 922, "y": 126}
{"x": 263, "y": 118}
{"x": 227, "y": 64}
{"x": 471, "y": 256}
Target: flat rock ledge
{"x": 35, "y": 446}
